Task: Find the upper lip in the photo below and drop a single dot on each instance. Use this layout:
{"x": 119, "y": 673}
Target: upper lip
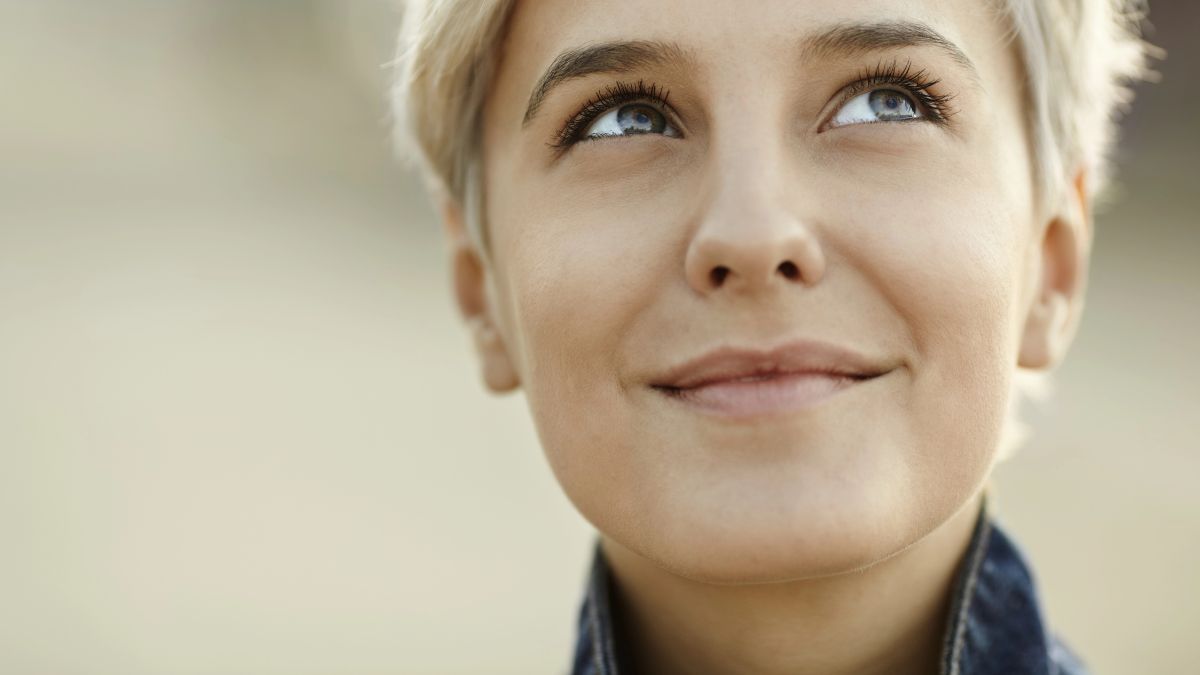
{"x": 803, "y": 356}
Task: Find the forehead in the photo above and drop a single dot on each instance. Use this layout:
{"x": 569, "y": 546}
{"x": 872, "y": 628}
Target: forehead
{"x": 735, "y": 46}
{"x": 733, "y": 37}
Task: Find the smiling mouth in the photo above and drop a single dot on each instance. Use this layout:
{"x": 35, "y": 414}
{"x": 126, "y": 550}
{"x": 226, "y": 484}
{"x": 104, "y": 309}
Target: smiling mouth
{"x": 763, "y": 394}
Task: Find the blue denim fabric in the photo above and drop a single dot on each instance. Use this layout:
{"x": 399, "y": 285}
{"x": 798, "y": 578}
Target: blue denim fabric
{"x": 995, "y": 625}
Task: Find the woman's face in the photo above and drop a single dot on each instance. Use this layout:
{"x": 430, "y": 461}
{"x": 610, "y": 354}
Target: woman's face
{"x": 848, "y": 172}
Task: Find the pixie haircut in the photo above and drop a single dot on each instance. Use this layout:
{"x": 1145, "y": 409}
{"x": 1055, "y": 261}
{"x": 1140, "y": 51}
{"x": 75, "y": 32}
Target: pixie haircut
{"x": 1080, "y": 59}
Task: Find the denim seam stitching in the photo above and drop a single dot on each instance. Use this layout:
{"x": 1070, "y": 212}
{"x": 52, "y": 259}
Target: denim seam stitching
{"x": 960, "y": 628}
{"x": 597, "y": 628}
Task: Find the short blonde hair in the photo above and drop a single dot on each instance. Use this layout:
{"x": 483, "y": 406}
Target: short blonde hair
{"x": 1080, "y": 58}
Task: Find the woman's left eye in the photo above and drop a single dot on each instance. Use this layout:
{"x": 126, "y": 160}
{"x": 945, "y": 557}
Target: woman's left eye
{"x": 629, "y": 119}
{"x": 877, "y": 105}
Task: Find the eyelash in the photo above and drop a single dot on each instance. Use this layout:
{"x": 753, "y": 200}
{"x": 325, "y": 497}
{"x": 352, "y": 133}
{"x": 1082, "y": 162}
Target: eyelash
{"x": 604, "y": 100}
{"x": 917, "y": 83}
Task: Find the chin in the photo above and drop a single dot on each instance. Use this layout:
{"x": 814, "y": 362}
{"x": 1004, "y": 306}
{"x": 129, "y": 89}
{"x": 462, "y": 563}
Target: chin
{"x": 753, "y": 540}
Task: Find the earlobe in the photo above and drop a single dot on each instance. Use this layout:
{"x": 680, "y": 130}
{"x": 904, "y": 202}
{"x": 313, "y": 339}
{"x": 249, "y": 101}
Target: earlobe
{"x": 498, "y": 372}
{"x": 1054, "y": 310}
{"x": 469, "y": 276}
{"x": 1046, "y": 333}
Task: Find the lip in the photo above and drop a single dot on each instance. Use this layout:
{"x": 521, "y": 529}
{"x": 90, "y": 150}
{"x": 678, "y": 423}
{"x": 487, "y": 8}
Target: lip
{"x": 741, "y": 382}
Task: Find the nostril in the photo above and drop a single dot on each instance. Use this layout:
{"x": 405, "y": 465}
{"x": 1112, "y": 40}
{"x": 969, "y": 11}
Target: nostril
{"x": 718, "y": 275}
{"x": 789, "y": 269}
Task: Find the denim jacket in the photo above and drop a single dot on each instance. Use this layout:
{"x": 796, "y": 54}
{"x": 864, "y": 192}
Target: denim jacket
{"x": 995, "y": 625}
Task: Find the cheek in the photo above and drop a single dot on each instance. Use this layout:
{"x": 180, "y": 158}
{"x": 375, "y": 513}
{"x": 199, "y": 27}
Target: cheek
{"x": 581, "y": 275}
{"x": 589, "y": 253}
{"x": 950, "y": 275}
{"x": 944, "y": 258}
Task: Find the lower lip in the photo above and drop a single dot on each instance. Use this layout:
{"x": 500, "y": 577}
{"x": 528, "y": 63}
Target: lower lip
{"x": 741, "y": 399}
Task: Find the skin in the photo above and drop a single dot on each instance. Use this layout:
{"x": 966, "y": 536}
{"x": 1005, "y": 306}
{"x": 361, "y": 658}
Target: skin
{"x": 823, "y": 541}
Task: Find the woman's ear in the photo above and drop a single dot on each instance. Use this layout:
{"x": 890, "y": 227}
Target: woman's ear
{"x": 470, "y": 279}
{"x": 1061, "y": 264}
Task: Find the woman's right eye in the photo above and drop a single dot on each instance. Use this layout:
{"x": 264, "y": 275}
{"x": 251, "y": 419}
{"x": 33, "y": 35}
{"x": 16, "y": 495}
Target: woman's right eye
{"x": 629, "y": 119}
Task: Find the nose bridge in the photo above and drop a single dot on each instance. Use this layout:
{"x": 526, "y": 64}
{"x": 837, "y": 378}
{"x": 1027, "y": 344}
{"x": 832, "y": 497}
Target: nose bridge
{"x": 748, "y": 235}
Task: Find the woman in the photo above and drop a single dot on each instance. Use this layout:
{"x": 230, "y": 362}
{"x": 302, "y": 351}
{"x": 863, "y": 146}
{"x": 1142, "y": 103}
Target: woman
{"x": 769, "y": 275}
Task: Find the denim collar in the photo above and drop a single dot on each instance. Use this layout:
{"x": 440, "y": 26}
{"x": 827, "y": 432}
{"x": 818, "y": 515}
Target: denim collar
{"x": 995, "y": 625}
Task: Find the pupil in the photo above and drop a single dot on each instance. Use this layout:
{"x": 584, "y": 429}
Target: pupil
{"x": 890, "y": 104}
{"x": 639, "y": 118}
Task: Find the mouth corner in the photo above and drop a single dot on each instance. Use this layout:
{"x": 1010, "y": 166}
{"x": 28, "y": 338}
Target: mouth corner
{"x": 871, "y": 376}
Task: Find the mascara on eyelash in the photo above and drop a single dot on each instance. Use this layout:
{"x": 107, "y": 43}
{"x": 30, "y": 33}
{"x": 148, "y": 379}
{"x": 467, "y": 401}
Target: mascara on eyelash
{"x": 917, "y": 83}
{"x": 612, "y": 94}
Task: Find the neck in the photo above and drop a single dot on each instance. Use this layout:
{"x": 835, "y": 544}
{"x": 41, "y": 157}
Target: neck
{"x": 888, "y": 618}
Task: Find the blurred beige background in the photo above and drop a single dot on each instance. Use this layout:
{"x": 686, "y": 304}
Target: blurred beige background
{"x": 241, "y": 430}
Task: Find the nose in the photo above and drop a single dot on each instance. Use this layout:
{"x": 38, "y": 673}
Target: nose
{"x": 749, "y": 240}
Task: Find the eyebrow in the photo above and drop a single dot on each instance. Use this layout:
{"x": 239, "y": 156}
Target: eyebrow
{"x": 843, "y": 38}
{"x": 606, "y": 57}
{"x": 858, "y": 38}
